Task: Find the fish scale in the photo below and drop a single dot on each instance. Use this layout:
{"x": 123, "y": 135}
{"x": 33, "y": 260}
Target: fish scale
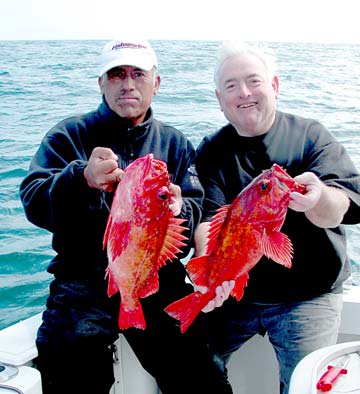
{"x": 239, "y": 235}
{"x": 140, "y": 237}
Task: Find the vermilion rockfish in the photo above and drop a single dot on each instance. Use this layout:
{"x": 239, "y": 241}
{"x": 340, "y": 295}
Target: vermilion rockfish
{"x": 141, "y": 235}
{"x": 239, "y": 235}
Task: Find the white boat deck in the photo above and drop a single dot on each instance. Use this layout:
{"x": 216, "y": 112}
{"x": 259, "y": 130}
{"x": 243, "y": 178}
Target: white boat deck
{"x": 254, "y": 360}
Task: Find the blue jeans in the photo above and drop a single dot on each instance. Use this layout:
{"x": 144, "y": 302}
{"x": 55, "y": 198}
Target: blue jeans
{"x": 294, "y": 329}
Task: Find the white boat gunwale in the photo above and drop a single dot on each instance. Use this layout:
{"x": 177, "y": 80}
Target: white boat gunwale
{"x": 17, "y": 347}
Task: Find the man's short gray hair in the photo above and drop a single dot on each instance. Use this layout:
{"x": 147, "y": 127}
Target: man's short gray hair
{"x": 232, "y": 48}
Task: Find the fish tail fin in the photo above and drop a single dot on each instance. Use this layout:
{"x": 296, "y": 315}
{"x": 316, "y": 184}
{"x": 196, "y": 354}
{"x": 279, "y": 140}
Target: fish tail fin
{"x": 186, "y": 309}
{"x": 132, "y": 317}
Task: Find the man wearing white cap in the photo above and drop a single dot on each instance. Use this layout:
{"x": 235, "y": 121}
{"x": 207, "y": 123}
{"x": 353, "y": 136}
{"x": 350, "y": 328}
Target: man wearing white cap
{"x": 68, "y": 191}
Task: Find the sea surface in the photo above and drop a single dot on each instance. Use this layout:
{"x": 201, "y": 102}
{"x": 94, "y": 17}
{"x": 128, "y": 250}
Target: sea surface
{"x": 41, "y": 82}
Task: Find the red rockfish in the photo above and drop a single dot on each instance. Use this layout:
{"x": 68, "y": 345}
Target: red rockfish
{"x": 239, "y": 235}
{"x": 141, "y": 235}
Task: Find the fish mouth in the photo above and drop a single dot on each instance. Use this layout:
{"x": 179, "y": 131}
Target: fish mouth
{"x": 155, "y": 172}
{"x": 287, "y": 180}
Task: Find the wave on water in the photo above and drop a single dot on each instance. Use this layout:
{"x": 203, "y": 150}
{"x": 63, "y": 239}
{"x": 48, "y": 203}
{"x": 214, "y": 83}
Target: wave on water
{"x": 42, "y": 82}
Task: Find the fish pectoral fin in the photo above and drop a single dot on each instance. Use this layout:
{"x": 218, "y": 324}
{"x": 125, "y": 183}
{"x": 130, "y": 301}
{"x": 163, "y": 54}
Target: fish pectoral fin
{"x": 278, "y": 247}
{"x": 173, "y": 241}
{"x": 240, "y": 283}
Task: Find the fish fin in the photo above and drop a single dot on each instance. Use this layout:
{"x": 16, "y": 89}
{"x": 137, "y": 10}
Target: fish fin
{"x": 107, "y": 231}
{"x": 173, "y": 241}
{"x": 198, "y": 269}
{"x": 278, "y": 247}
{"x": 240, "y": 284}
{"x": 132, "y": 317}
{"x": 215, "y": 227}
{"x": 187, "y": 308}
{"x": 112, "y": 286}
{"x": 151, "y": 286}
{"x": 117, "y": 238}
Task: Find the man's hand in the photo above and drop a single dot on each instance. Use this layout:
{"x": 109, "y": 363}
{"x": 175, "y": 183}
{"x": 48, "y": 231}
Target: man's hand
{"x": 176, "y": 200}
{"x": 222, "y": 293}
{"x": 102, "y": 171}
{"x": 302, "y": 202}
{"x": 325, "y": 206}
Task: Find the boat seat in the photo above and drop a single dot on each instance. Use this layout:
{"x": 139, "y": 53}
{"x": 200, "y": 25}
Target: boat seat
{"x": 310, "y": 369}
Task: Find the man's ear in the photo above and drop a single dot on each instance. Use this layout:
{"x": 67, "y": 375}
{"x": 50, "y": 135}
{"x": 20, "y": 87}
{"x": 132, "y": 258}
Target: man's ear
{"x": 275, "y": 85}
{"x": 100, "y": 83}
{"x": 156, "y": 84}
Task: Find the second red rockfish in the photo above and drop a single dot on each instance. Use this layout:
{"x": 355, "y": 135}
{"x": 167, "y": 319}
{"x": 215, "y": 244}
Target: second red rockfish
{"x": 239, "y": 235}
{"x": 141, "y": 235}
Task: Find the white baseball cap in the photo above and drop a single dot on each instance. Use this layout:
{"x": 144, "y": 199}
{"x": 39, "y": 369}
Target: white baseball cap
{"x": 136, "y": 53}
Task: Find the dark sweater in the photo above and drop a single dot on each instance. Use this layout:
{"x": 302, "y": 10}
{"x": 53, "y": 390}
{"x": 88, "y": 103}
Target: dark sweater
{"x": 227, "y": 162}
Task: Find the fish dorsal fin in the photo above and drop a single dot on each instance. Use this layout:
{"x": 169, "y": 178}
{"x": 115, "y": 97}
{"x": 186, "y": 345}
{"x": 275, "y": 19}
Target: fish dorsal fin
{"x": 278, "y": 247}
{"x": 215, "y": 227}
{"x": 173, "y": 241}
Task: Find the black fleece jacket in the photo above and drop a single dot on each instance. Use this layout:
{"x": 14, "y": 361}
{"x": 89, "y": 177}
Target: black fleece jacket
{"x": 56, "y": 197}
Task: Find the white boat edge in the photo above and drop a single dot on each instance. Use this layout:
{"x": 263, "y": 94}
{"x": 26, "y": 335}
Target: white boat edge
{"x": 256, "y": 358}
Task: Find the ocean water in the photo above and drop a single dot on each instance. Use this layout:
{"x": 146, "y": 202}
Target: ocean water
{"x": 41, "y": 82}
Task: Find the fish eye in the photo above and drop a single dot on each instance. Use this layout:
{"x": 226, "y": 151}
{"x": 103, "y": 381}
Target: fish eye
{"x": 265, "y": 186}
{"x": 162, "y": 196}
